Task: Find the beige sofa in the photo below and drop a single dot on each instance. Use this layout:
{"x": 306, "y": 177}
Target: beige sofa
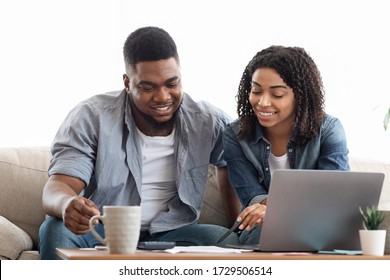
{"x": 23, "y": 173}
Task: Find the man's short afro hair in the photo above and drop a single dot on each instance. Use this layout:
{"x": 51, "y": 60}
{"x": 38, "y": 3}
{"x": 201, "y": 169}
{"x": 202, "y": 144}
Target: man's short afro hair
{"x": 148, "y": 44}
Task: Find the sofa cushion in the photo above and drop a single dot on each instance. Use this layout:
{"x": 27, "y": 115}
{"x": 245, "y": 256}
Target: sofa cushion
{"x": 23, "y": 174}
{"x": 212, "y": 211}
{"x": 29, "y": 255}
{"x": 13, "y": 240}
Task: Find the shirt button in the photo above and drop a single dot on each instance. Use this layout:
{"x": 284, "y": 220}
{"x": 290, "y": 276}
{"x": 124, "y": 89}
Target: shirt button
{"x": 266, "y": 169}
{"x": 290, "y": 150}
{"x": 267, "y": 147}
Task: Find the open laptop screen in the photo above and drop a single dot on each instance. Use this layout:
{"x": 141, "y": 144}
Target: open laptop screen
{"x": 313, "y": 210}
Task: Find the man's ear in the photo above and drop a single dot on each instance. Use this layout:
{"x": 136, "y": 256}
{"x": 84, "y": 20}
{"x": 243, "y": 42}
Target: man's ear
{"x": 126, "y": 82}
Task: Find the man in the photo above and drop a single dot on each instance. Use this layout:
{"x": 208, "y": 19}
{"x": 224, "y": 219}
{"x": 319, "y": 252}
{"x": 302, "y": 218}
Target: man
{"x": 149, "y": 144}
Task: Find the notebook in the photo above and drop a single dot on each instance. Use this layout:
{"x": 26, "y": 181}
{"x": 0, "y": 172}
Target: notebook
{"x": 317, "y": 210}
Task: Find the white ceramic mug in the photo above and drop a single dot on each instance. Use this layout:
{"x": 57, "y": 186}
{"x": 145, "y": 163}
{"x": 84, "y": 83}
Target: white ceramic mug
{"x": 122, "y": 225}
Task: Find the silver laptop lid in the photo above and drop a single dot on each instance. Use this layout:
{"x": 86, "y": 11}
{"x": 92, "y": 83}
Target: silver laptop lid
{"x": 313, "y": 210}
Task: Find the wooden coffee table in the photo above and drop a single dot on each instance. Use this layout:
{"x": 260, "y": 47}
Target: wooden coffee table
{"x": 93, "y": 254}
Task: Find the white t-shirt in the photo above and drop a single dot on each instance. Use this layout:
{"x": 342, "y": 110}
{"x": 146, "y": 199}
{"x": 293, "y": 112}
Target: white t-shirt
{"x": 158, "y": 182}
{"x": 278, "y": 162}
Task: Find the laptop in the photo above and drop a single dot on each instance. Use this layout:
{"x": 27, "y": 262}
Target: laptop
{"x": 317, "y": 210}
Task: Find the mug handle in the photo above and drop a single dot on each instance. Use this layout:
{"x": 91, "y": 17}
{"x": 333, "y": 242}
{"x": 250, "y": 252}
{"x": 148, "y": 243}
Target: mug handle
{"x": 94, "y": 232}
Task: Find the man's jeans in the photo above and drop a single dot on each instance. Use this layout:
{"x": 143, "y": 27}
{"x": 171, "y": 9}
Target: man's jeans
{"x": 53, "y": 234}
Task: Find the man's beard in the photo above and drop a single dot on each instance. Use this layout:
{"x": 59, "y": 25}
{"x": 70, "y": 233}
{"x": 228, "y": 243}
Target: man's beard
{"x": 159, "y": 126}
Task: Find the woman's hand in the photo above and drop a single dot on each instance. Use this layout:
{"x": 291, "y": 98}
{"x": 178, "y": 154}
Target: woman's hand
{"x": 252, "y": 215}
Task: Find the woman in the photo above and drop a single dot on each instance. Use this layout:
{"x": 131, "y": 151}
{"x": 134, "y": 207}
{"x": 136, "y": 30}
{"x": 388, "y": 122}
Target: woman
{"x": 282, "y": 125}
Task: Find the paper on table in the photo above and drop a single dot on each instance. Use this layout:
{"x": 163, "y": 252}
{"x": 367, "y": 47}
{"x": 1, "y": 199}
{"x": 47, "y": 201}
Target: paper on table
{"x": 342, "y": 252}
{"x": 203, "y": 249}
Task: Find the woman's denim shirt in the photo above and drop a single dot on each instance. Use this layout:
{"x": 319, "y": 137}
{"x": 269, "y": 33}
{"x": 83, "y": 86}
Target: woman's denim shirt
{"x": 247, "y": 161}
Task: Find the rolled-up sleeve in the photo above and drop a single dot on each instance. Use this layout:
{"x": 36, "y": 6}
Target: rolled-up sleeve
{"x": 74, "y": 146}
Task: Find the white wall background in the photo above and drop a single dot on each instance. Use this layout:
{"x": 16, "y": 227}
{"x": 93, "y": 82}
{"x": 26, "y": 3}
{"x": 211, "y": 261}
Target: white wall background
{"x": 54, "y": 54}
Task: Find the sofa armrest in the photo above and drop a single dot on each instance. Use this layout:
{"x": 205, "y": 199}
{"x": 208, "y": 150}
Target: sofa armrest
{"x": 23, "y": 173}
{"x": 13, "y": 240}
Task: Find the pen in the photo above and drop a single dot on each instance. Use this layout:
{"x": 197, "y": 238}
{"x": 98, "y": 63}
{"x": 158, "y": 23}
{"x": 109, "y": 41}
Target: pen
{"x": 233, "y": 228}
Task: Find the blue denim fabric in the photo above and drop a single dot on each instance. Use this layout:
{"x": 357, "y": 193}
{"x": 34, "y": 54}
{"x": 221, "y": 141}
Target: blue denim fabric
{"x": 53, "y": 234}
{"x": 97, "y": 143}
{"x": 53, "y": 230}
{"x": 251, "y": 237}
{"x": 247, "y": 161}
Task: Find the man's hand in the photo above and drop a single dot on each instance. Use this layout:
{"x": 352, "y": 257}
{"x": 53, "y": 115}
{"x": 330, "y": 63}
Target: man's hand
{"x": 77, "y": 212}
{"x": 253, "y": 214}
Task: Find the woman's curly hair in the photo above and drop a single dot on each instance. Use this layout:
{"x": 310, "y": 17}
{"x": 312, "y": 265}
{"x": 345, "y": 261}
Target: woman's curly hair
{"x": 298, "y": 71}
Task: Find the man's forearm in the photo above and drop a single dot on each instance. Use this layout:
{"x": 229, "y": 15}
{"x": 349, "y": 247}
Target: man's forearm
{"x": 57, "y": 193}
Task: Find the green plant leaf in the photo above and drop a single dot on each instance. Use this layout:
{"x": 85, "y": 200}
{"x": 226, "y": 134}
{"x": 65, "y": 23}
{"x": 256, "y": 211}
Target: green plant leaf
{"x": 372, "y": 217}
{"x": 386, "y": 120}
